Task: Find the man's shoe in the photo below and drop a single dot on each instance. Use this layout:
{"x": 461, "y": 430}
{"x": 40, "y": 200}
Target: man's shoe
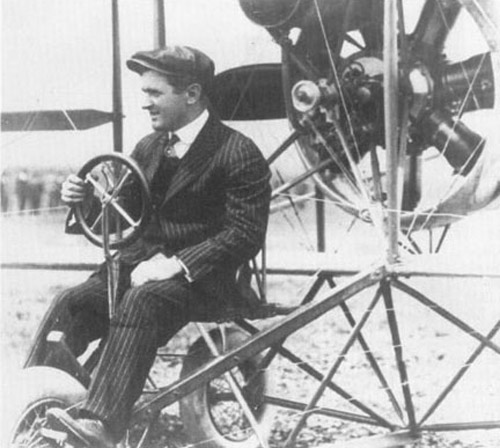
{"x": 86, "y": 432}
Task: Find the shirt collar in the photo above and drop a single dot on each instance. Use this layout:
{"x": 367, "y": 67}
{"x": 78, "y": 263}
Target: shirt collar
{"x": 188, "y": 133}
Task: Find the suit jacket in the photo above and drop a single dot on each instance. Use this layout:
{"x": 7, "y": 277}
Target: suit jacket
{"x": 214, "y": 214}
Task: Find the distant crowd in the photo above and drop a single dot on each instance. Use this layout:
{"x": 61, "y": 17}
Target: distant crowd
{"x": 31, "y": 190}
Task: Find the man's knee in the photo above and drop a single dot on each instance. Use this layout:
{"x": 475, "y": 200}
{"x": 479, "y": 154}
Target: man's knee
{"x": 136, "y": 307}
{"x": 148, "y": 304}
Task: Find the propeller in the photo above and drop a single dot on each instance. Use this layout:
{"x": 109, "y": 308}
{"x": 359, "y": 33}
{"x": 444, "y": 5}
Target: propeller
{"x": 251, "y": 92}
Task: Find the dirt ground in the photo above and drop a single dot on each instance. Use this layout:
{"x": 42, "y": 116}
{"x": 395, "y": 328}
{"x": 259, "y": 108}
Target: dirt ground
{"x": 433, "y": 349}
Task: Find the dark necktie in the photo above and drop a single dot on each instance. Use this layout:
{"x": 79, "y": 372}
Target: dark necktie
{"x": 169, "y": 164}
{"x": 169, "y": 150}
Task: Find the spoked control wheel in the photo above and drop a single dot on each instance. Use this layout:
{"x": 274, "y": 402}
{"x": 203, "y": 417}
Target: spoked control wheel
{"x": 118, "y": 195}
{"x": 211, "y": 415}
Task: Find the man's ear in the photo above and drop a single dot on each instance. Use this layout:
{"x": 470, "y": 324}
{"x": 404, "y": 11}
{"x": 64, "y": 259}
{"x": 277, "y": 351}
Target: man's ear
{"x": 193, "y": 93}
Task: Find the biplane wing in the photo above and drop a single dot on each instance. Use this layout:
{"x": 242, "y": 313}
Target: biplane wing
{"x": 54, "y": 120}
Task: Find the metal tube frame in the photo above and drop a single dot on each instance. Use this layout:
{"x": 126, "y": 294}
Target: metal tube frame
{"x": 117, "y": 80}
{"x": 310, "y": 309}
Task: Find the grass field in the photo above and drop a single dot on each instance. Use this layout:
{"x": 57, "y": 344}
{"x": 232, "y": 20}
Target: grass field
{"x": 433, "y": 349}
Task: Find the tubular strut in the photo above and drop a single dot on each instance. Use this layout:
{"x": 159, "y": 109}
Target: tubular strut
{"x": 319, "y": 392}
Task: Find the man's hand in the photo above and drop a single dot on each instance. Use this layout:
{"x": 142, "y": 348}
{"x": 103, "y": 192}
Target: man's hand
{"x": 74, "y": 190}
{"x": 158, "y": 267}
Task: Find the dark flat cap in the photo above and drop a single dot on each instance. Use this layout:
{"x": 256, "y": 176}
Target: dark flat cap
{"x": 176, "y": 61}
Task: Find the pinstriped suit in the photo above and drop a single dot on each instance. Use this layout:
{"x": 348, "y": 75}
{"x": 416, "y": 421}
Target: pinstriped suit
{"x": 213, "y": 217}
{"x": 214, "y": 213}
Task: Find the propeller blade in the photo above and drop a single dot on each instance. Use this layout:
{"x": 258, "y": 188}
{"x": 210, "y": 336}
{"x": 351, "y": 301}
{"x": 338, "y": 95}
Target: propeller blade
{"x": 54, "y": 120}
{"x": 252, "y": 92}
{"x": 432, "y": 29}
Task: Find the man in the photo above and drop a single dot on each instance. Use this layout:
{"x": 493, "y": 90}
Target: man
{"x": 210, "y": 216}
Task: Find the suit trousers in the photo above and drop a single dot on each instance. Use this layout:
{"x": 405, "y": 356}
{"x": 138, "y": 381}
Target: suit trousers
{"x": 147, "y": 317}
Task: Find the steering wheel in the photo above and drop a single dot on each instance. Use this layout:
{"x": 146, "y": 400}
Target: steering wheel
{"x": 118, "y": 206}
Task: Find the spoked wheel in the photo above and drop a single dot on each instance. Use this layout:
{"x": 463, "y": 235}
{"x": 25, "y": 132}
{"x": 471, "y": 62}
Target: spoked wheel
{"x": 32, "y": 421}
{"x": 40, "y": 389}
{"x": 118, "y": 200}
{"x": 211, "y": 415}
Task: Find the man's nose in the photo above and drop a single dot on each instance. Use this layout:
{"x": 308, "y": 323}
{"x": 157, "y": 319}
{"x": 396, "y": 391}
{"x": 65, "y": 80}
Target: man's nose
{"x": 147, "y": 103}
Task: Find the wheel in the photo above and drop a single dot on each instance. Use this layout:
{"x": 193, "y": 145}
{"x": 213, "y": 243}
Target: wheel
{"x": 37, "y": 390}
{"x": 211, "y": 416}
{"x": 120, "y": 191}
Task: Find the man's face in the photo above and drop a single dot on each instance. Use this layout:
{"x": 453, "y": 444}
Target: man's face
{"x": 167, "y": 109}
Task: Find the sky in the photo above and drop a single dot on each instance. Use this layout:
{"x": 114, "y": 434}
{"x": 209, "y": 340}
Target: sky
{"x": 61, "y": 49}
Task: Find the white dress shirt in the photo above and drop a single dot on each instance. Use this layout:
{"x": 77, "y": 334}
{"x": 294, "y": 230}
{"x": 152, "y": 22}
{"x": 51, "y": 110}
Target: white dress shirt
{"x": 188, "y": 133}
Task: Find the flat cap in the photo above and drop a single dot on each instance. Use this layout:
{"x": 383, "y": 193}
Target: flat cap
{"x": 175, "y": 60}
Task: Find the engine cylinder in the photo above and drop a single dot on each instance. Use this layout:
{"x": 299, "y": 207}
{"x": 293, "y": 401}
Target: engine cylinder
{"x": 459, "y": 145}
{"x": 471, "y": 79}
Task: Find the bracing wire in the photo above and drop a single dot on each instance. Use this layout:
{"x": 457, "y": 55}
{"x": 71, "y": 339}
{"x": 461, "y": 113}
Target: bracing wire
{"x": 347, "y": 149}
{"x": 297, "y": 215}
{"x": 375, "y": 210}
{"x": 335, "y": 158}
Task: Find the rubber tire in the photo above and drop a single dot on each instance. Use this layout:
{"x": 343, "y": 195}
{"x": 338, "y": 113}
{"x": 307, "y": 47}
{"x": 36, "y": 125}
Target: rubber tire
{"x": 34, "y": 387}
{"x": 194, "y": 409}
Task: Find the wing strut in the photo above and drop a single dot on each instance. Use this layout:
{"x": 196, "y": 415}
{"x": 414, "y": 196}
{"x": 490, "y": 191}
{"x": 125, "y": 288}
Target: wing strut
{"x": 117, "y": 82}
